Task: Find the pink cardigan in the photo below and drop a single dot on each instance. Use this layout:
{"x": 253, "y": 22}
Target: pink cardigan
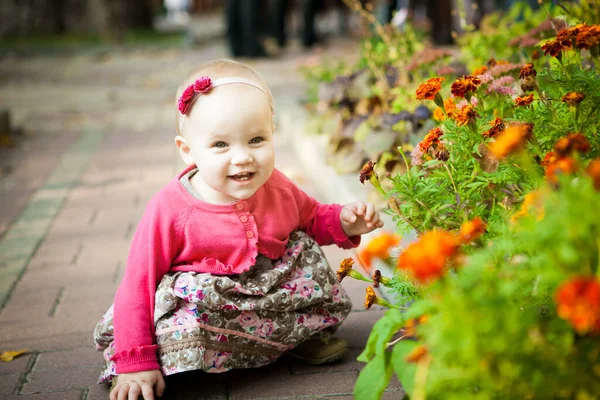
{"x": 181, "y": 233}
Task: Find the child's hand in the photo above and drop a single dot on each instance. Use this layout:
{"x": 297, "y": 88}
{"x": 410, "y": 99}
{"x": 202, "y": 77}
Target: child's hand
{"x": 130, "y": 386}
{"x": 359, "y": 217}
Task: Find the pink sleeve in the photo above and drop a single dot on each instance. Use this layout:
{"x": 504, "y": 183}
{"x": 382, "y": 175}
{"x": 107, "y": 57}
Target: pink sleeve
{"x": 152, "y": 249}
{"x": 322, "y": 221}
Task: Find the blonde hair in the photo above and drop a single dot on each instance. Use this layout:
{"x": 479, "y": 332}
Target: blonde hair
{"x": 221, "y": 69}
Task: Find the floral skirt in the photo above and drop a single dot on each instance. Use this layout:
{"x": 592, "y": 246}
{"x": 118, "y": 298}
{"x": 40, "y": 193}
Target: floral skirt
{"x": 215, "y": 323}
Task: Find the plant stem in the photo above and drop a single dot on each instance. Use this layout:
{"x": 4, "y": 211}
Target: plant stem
{"x": 451, "y": 179}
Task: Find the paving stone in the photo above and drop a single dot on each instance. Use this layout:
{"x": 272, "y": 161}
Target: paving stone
{"x": 17, "y": 365}
{"x": 60, "y": 379}
{"x": 61, "y": 395}
{"x": 47, "y": 342}
{"x": 347, "y": 363}
{"x": 99, "y": 391}
{"x": 9, "y": 384}
{"x": 266, "y": 383}
{"x": 80, "y": 357}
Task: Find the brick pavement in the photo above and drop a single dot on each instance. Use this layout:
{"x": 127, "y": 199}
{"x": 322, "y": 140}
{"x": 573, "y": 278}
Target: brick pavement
{"x": 63, "y": 256}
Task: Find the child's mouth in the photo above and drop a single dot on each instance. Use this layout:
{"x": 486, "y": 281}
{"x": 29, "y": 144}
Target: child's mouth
{"x": 245, "y": 176}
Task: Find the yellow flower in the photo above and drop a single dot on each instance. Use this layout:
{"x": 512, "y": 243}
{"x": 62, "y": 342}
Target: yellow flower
{"x": 345, "y": 267}
{"x": 511, "y": 139}
{"x": 417, "y": 354}
{"x": 379, "y": 247}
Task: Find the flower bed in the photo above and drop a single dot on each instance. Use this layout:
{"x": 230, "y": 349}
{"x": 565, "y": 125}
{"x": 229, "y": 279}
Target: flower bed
{"x": 499, "y": 296}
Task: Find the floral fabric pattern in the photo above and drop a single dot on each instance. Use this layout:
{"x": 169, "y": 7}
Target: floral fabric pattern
{"x": 215, "y": 323}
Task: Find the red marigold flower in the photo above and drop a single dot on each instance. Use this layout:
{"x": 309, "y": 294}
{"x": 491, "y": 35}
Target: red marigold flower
{"x": 564, "y": 165}
{"x": 432, "y": 137}
{"x": 572, "y": 142}
{"x": 472, "y": 230}
{"x": 367, "y": 171}
{"x": 497, "y": 127}
{"x": 593, "y": 170}
{"x": 527, "y": 70}
{"x": 427, "y": 257}
{"x": 464, "y": 85}
{"x": 203, "y": 84}
{"x": 429, "y": 89}
{"x": 578, "y": 302}
{"x": 573, "y": 98}
{"x": 524, "y": 101}
{"x": 554, "y": 48}
{"x": 511, "y": 139}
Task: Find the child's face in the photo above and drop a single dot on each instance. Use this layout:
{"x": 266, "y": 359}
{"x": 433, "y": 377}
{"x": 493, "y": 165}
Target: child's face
{"x": 229, "y": 133}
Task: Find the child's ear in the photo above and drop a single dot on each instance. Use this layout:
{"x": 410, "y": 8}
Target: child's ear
{"x": 184, "y": 150}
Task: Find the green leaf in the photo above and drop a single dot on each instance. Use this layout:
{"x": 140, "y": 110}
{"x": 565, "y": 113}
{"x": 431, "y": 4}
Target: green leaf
{"x": 382, "y": 331}
{"x": 405, "y": 370}
{"x": 374, "y": 378}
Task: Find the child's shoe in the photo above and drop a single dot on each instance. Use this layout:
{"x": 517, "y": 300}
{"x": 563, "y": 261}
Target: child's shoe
{"x": 319, "y": 351}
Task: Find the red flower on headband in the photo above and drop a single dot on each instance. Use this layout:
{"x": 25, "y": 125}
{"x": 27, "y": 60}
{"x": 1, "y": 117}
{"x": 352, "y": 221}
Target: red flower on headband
{"x": 202, "y": 85}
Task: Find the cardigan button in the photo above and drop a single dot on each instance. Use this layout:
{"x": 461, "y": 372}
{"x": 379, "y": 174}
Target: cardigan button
{"x": 239, "y": 206}
{"x": 243, "y": 218}
{"x": 249, "y": 234}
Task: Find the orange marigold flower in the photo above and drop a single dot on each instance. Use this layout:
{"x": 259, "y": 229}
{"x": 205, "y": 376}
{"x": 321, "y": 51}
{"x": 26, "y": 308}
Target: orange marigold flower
{"x": 429, "y": 89}
{"x": 511, "y": 139}
{"x": 464, "y": 85}
{"x": 572, "y": 142}
{"x": 578, "y": 302}
{"x": 417, "y": 354}
{"x": 497, "y": 127}
{"x": 480, "y": 70}
{"x": 370, "y": 298}
{"x": 527, "y": 70}
{"x": 554, "y": 48}
{"x": 438, "y": 114}
{"x": 593, "y": 170}
{"x": 432, "y": 137}
{"x": 427, "y": 257}
{"x": 524, "y": 101}
{"x": 345, "y": 267}
{"x": 450, "y": 106}
{"x": 379, "y": 247}
{"x": 565, "y": 165}
{"x": 573, "y": 98}
{"x": 465, "y": 115}
{"x": 367, "y": 171}
{"x": 472, "y": 230}
{"x": 588, "y": 38}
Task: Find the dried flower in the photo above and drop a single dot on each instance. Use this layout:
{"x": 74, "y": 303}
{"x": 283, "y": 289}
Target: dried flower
{"x": 527, "y": 70}
{"x": 497, "y": 126}
{"x": 578, "y": 302}
{"x": 418, "y": 353}
{"x": 465, "y": 115}
{"x": 572, "y": 142}
{"x": 378, "y": 247}
{"x": 472, "y": 230}
{"x": 593, "y": 170}
{"x": 429, "y": 89}
{"x": 371, "y": 298}
{"x": 573, "y": 98}
{"x": 524, "y": 101}
{"x": 346, "y": 270}
{"x": 380, "y": 279}
{"x": 465, "y": 86}
{"x": 427, "y": 257}
{"x": 511, "y": 139}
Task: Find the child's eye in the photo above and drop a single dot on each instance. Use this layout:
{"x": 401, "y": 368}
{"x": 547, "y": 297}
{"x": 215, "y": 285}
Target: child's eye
{"x": 220, "y": 145}
{"x": 256, "y": 140}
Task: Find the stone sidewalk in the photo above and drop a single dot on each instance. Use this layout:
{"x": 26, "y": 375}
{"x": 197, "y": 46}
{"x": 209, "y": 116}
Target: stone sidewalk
{"x": 109, "y": 118}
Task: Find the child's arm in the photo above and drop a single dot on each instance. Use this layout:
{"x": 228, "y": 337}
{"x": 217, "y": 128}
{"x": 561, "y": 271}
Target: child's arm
{"x": 154, "y": 246}
{"x": 131, "y": 386}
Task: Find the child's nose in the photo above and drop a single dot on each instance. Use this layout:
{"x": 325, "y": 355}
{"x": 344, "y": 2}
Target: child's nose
{"x": 242, "y": 156}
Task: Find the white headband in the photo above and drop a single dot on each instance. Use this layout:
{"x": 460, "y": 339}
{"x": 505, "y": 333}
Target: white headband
{"x": 204, "y": 85}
